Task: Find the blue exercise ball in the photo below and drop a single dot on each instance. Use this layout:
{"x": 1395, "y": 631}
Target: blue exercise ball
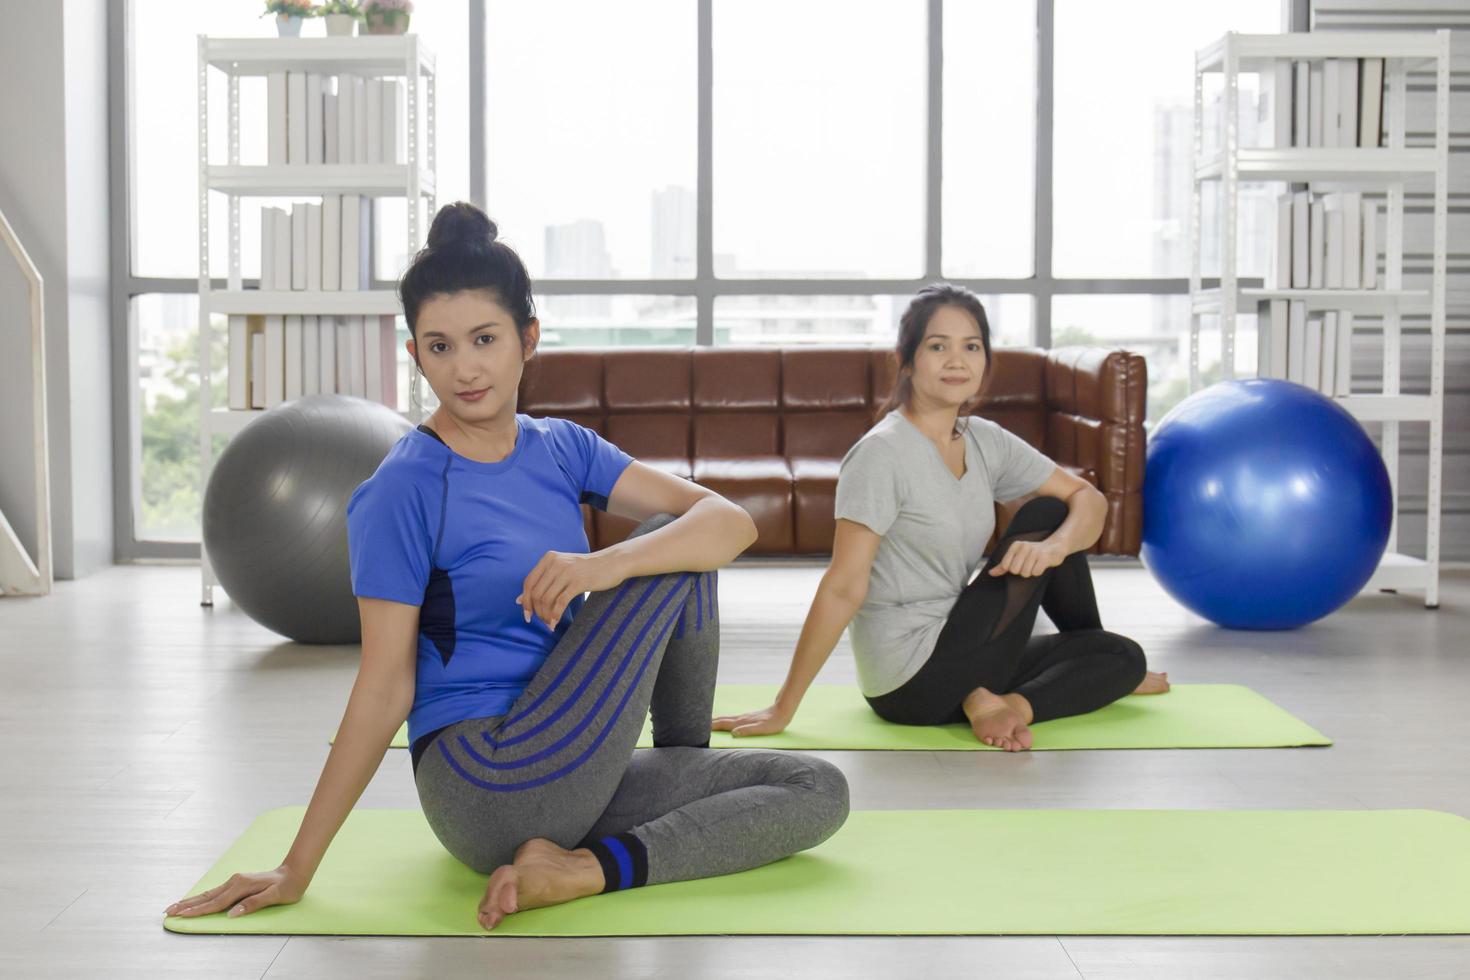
{"x": 1265, "y": 505}
{"x": 275, "y": 512}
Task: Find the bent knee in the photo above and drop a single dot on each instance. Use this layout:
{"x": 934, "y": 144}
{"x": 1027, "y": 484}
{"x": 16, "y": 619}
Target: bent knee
{"x": 1131, "y": 654}
{"x": 827, "y": 790}
{"x": 652, "y": 524}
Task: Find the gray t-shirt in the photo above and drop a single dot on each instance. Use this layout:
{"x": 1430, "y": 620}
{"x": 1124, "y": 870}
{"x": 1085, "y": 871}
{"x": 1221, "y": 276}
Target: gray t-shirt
{"x": 934, "y": 529}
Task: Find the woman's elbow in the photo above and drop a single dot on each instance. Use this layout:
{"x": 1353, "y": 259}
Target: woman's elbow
{"x": 747, "y": 533}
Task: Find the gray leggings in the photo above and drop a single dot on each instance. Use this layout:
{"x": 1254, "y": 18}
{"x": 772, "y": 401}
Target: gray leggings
{"x": 561, "y": 763}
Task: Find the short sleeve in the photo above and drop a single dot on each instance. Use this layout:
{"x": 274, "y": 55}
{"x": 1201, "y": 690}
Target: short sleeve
{"x": 594, "y": 463}
{"x": 1015, "y": 467}
{"x": 389, "y": 542}
{"x": 868, "y": 487}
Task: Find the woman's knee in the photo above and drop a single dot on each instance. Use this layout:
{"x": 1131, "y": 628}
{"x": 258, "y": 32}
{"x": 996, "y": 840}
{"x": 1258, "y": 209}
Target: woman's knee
{"x": 652, "y": 524}
{"x": 1132, "y": 655}
{"x": 827, "y": 789}
{"x": 1038, "y": 514}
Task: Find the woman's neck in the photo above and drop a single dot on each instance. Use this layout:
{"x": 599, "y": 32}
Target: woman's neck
{"x": 938, "y": 422}
{"x": 485, "y": 441}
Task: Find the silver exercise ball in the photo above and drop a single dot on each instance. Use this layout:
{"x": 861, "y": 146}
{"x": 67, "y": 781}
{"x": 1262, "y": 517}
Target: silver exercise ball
{"x": 275, "y": 512}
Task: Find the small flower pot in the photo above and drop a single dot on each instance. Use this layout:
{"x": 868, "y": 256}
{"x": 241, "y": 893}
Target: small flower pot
{"x": 341, "y": 25}
{"x": 385, "y": 21}
{"x": 288, "y": 26}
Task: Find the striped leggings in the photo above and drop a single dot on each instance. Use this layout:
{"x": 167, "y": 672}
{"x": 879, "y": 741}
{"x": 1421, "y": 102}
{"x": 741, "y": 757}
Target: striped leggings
{"x": 560, "y": 764}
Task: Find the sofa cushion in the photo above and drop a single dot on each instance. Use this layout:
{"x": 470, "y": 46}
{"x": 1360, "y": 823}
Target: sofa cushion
{"x": 760, "y": 484}
{"x": 813, "y": 501}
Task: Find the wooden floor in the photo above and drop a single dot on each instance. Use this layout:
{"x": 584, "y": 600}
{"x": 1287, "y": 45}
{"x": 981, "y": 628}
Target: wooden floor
{"x": 141, "y": 734}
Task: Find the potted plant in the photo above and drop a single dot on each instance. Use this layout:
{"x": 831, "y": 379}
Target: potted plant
{"x": 289, "y": 14}
{"x": 386, "y": 16}
{"x": 341, "y": 17}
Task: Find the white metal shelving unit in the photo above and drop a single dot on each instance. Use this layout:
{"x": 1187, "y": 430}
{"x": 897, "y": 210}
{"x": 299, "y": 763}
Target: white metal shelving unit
{"x": 1390, "y": 168}
{"x": 403, "y": 56}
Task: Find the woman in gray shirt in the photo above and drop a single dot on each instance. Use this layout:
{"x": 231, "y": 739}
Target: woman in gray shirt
{"x": 915, "y": 507}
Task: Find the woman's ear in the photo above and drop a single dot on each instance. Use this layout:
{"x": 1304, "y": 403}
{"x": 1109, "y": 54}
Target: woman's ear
{"x": 413, "y": 353}
{"x": 530, "y": 338}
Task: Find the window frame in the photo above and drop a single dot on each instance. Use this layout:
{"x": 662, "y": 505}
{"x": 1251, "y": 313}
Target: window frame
{"x": 704, "y": 286}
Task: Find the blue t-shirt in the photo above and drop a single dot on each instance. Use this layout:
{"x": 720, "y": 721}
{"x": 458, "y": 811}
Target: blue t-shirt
{"x": 456, "y": 537}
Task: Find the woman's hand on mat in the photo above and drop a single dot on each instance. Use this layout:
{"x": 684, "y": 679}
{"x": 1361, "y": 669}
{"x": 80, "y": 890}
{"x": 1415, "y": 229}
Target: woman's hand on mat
{"x": 1030, "y": 558}
{"x": 243, "y": 894}
{"x": 767, "y": 721}
{"x": 558, "y": 578}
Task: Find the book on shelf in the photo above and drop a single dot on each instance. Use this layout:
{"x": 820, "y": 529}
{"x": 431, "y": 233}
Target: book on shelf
{"x": 295, "y": 117}
{"x": 1331, "y": 126}
{"x": 237, "y": 363}
{"x": 1327, "y": 384}
{"x": 1316, "y": 244}
{"x": 275, "y": 116}
{"x": 1312, "y": 354}
{"x": 281, "y": 251}
{"x": 311, "y": 351}
{"x": 1300, "y": 118}
{"x": 1352, "y": 240}
{"x": 313, "y": 246}
{"x": 1344, "y": 367}
{"x": 340, "y": 327}
{"x": 315, "y": 133}
{"x": 1271, "y": 327}
{"x": 275, "y": 360}
{"x": 1301, "y": 205}
{"x": 346, "y": 116}
{"x": 380, "y": 359}
{"x": 291, "y": 356}
{"x": 298, "y": 247}
{"x": 1296, "y": 342}
{"x": 1332, "y": 242}
{"x": 327, "y": 335}
{"x": 1332, "y": 102}
{"x": 1281, "y": 259}
{"x": 1347, "y": 102}
{"x": 257, "y": 369}
{"x": 1370, "y": 102}
{"x": 1370, "y": 244}
{"x": 359, "y": 120}
{"x": 356, "y": 362}
{"x": 267, "y": 247}
{"x": 331, "y": 123}
{"x": 331, "y": 242}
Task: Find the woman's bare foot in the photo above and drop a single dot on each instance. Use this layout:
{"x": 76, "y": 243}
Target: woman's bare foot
{"x": 1153, "y": 683}
{"x": 541, "y": 874}
{"x": 999, "y": 719}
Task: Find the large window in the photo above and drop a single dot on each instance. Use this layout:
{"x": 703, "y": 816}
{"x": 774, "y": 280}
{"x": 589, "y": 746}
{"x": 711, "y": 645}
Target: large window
{"x": 701, "y": 172}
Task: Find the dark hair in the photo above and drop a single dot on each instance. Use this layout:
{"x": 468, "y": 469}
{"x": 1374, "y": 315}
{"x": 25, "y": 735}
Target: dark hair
{"x": 915, "y": 323}
{"x": 462, "y": 253}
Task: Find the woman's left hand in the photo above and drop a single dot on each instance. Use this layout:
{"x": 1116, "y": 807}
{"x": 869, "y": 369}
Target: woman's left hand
{"x": 1029, "y": 558}
{"x": 558, "y": 578}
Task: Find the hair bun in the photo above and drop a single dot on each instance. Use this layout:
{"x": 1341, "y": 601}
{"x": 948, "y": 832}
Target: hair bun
{"x": 461, "y": 223}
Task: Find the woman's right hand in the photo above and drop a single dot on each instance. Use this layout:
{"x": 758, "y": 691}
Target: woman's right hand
{"x": 767, "y": 721}
{"x": 244, "y": 893}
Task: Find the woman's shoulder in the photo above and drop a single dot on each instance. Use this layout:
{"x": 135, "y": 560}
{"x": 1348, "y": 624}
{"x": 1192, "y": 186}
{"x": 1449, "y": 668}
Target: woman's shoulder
{"x": 880, "y": 445}
{"x": 415, "y": 462}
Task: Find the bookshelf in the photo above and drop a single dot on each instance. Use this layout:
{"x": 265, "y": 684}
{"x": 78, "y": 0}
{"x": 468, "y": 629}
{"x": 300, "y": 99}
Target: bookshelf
{"x": 413, "y": 180}
{"x": 1388, "y": 169}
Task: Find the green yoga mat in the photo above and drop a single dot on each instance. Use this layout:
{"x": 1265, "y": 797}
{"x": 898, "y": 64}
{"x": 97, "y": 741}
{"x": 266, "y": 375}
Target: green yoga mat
{"x": 1190, "y": 716}
{"x": 929, "y": 872}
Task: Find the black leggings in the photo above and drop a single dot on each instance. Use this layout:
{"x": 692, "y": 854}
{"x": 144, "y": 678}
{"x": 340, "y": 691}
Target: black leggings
{"x": 987, "y": 642}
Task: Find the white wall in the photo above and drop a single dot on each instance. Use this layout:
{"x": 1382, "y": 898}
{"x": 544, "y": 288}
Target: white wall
{"x": 54, "y": 190}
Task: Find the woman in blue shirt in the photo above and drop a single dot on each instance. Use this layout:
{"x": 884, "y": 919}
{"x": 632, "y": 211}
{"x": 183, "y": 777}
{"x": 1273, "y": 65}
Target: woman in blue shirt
{"x": 524, "y": 700}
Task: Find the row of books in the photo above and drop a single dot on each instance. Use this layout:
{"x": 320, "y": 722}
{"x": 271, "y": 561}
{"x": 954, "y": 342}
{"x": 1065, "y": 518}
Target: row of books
{"x": 1325, "y": 241}
{"x": 312, "y": 118}
{"x": 326, "y": 246}
{"x": 1336, "y": 102}
{"x": 273, "y": 359}
{"x": 1313, "y": 350}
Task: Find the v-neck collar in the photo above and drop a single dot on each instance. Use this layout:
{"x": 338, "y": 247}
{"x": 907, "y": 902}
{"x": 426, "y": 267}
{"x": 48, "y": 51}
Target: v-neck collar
{"x": 943, "y": 463}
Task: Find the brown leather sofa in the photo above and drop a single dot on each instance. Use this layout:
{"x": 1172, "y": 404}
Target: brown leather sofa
{"x": 767, "y": 427}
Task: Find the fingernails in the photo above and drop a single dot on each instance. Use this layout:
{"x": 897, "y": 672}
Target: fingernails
{"x": 237, "y": 910}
